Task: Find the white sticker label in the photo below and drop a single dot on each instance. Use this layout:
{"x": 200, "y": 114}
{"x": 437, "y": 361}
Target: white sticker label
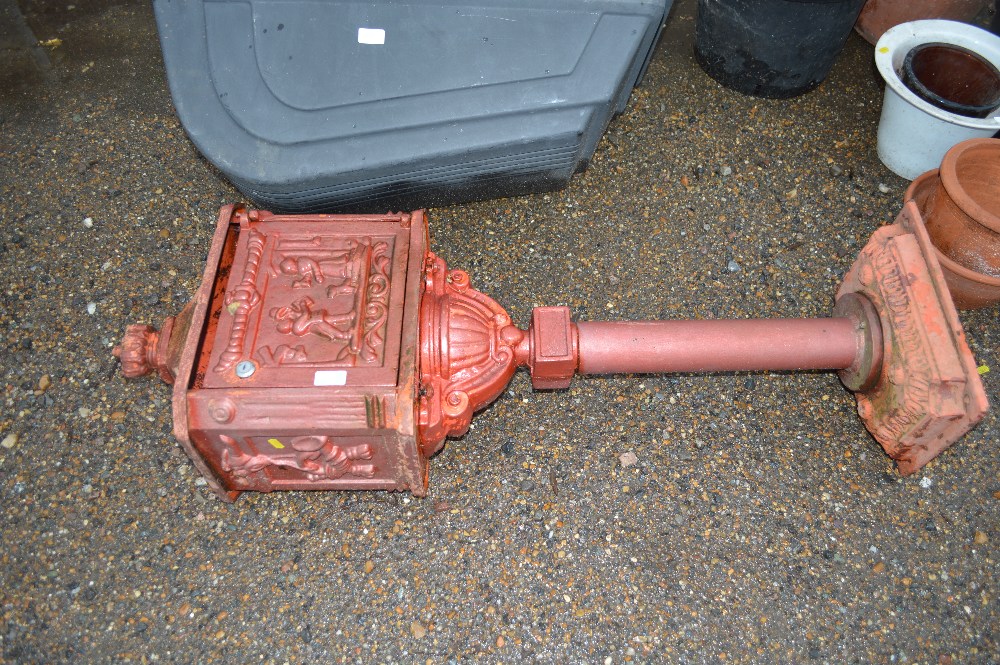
{"x": 371, "y": 36}
{"x": 330, "y": 377}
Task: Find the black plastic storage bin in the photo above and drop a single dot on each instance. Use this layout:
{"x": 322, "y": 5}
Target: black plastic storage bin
{"x": 772, "y": 48}
{"x": 370, "y": 106}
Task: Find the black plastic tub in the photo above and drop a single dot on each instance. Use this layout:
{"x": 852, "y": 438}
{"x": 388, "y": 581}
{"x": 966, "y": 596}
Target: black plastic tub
{"x": 772, "y": 48}
{"x": 367, "y": 106}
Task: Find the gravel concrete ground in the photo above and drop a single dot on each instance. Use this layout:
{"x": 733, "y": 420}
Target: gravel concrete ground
{"x": 761, "y": 523}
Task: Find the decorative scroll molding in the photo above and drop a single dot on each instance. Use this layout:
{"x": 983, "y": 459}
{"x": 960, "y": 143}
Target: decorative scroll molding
{"x": 241, "y": 301}
{"x": 377, "y": 308}
{"x": 467, "y": 353}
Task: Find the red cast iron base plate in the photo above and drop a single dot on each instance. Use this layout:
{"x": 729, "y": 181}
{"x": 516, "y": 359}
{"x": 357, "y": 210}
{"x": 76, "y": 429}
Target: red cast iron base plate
{"x": 929, "y": 393}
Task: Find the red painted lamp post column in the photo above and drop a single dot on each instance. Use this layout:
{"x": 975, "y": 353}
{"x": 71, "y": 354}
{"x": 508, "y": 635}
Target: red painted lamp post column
{"x": 338, "y": 352}
{"x": 716, "y": 346}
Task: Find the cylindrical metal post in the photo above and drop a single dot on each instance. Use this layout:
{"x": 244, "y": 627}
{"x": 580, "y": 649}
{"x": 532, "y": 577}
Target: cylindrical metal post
{"x": 716, "y": 346}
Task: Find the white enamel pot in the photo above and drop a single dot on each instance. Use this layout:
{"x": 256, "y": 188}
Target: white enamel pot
{"x": 913, "y": 134}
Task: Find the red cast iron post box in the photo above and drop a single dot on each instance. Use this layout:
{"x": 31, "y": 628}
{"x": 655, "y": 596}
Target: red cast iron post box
{"x": 338, "y": 352}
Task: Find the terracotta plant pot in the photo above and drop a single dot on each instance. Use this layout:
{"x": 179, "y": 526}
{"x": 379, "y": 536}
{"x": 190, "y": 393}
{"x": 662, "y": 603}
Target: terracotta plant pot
{"x": 964, "y": 218}
{"x": 877, "y": 16}
{"x": 970, "y": 289}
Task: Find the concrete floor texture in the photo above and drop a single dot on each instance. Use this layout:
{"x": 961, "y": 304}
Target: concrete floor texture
{"x": 761, "y": 523}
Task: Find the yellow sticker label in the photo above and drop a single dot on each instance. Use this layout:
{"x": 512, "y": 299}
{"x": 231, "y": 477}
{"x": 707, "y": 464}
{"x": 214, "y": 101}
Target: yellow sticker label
{"x": 884, "y": 49}
{"x": 983, "y": 369}
{"x": 277, "y": 444}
